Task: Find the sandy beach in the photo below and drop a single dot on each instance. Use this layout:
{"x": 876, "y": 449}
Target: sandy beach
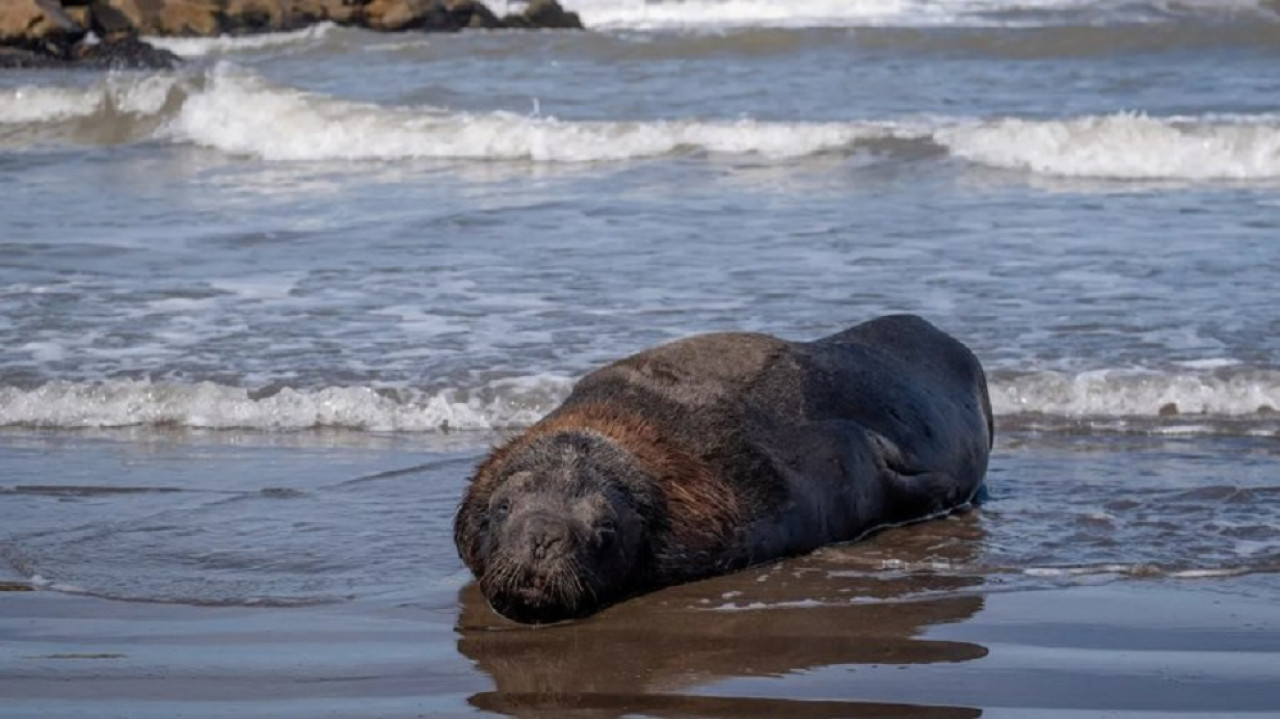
{"x": 1131, "y": 651}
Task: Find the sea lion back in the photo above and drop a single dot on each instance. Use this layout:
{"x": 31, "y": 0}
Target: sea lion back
{"x": 692, "y": 373}
{"x": 917, "y": 355}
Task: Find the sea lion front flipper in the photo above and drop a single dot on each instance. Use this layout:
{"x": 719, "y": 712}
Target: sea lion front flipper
{"x": 913, "y": 491}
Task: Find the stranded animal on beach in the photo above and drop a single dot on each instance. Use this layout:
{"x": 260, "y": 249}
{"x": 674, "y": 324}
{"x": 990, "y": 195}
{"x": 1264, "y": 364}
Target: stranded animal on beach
{"x": 712, "y": 453}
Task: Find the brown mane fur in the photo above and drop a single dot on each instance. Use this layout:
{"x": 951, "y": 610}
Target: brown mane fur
{"x": 702, "y": 512}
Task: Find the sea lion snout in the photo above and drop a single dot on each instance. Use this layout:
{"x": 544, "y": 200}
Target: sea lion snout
{"x": 542, "y": 536}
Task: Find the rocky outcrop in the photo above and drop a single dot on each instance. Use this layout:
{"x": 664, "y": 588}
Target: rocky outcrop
{"x": 52, "y": 33}
{"x": 40, "y": 26}
{"x": 202, "y": 18}
{"x": 544, "y": 14}
{"x": 171, "y": 17}
{"x": 125, "y": 53}
{"x": 454, "y": 15}
{"x": 18, "y": 59}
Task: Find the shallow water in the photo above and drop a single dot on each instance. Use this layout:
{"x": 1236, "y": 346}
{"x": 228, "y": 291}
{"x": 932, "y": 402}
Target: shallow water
{"x": 227, "y": 518}
{"x": 314, "y": 572}
{"x": 245, "y": 305}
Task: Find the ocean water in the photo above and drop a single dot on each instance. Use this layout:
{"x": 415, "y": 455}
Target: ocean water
{"x": 260, "y": 315}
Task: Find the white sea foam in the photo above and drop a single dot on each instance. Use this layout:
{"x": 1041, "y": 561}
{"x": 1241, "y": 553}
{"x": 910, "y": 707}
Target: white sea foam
{"x": 223, "y": 44}
{"x": 122, "y": 403}
{"x": 241, "y": 114}
{"x": 1135, "y": 570}
{"x": 1210, "y": 363}
{"x": 1124, "y": 146}
{"x": 237, "y": 112}
{"x": 1136, "y": 393}
{"x": 652, "y": 14}
{"x": 1163, "y": 400}
{"x": 45, "y": 351}
{"x": 44, "y": 104}
{"x": 757, "y": 606}
{"x": 244, "y": 115}
{"x": 145, "y": 95}
{"x": 738, "y": 13}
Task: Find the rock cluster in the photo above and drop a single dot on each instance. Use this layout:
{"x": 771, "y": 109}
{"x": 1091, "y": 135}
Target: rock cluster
{"x": 43, "y": 33}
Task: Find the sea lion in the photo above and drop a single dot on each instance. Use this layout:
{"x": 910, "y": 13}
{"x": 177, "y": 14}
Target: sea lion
{"x": 716, "y": 452}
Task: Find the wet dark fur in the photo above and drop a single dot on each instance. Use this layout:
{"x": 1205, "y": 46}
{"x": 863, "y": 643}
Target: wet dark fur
{"x": 716, "y": 452}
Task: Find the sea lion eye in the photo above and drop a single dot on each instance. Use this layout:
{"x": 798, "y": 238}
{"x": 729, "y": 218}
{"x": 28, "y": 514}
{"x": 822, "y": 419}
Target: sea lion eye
{"x": 606, "y": 533}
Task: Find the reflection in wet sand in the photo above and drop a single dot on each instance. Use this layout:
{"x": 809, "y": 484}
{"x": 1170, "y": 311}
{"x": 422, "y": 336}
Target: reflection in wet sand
{"x": 849, "y": 605}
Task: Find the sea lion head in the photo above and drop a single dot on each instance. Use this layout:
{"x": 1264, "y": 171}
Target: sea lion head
{"x": 554, "y": 527}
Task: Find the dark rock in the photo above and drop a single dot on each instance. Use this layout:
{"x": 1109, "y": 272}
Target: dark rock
{"x": 472, "y": 14}
{"x": 108, "y": 21}
{"x": 253, "y": 16}
{"x": 12, "y": 58}
{"x": 517, "y": 22}
{"x": 128, "y": 53}
{"x": 549, "y": 14}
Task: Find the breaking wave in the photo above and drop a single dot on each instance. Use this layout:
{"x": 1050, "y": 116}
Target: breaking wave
{"x": 657, "y": 14}
{"x": 1125, "y": 146}
{"x": 1137, "y": 393}
{"x": 231, "y": 112}
{"x": 1230, "y": 400}
{"x": 222, "y": 44}
{"x": 129, "y": 94}
{"x": 241, "y": 114}
{"x": 123, "y": 403}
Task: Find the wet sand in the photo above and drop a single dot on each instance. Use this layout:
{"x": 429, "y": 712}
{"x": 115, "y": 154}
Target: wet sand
{"x": 817, "y": 636}
{"x": 1127, "y": 650}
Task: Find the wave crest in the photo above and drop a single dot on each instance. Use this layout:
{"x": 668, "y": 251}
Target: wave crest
{"x": 127, "y": 94}
{"x": 231, "y": 112}
{"x": 660, "y": 14}
{"x": 208, "y": 405}
{"x": 1137, "y": 393}
{"x": 1227, "y": 400}
{"x": 239, "y": 113}
{"x": 223, "y": 44}
{"x": 1124, "y": 146}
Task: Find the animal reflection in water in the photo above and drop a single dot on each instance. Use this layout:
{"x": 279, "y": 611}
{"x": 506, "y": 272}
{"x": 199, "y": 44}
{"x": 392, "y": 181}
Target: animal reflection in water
{"x": 836, "y": 607}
